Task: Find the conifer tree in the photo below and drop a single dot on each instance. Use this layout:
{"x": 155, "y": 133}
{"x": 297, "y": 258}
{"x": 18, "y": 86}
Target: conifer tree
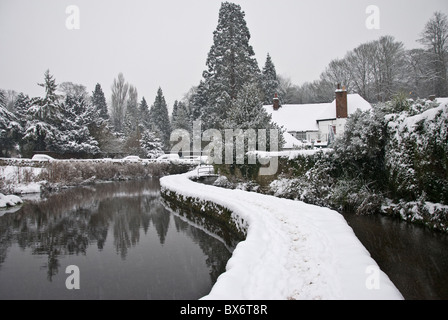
{"x": 99, "y": 102}
{"x": 174, "y": 112}
{"x": 150, "y": 145}
{"x": 48, "y": 108}
{"x": 159, "y": 118}
{"x": 181, "y": 117}
{"x": 60, "y": 127}
{"x": 230, "y": 63}
{"x": 144, "y": 114}
{"x": 269, "y": 80}
{"x": 247, "y": 111}
{"x": 198, "y": 101}
{"x": 10, "y": 130}
{"x": 21, "y": 106}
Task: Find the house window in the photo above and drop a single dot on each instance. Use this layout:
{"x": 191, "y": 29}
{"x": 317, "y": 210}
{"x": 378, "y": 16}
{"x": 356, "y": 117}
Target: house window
{"x": 301, "y": 136}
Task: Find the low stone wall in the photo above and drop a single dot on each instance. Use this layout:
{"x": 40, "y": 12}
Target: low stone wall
{"x": 218, "y": 220}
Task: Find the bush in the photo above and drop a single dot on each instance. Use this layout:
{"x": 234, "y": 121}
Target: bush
{"x": 356, "y": 196}
{"x": 74, "y": 173}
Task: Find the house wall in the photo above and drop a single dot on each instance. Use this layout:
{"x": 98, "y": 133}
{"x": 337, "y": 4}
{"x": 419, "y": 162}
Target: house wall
{"x": 324, "y": 128}
{"x": 310, "y": 136}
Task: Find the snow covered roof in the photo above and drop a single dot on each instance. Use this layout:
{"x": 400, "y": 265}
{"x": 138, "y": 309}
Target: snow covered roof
{"x": 304, "y": 117}
{"x": 290, "y": 141}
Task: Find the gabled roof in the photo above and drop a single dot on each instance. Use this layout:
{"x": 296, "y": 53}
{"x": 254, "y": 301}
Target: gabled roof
{"x": 291, "y": 142}
{"x": 304, "y": 117}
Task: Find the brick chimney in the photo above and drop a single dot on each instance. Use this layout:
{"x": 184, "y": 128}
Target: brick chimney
{"x": 341, "y": 102}
{"x": 276, "y": 105}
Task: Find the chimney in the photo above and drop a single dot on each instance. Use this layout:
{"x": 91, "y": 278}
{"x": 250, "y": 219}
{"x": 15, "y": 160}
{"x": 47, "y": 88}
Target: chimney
{"x": 276, "y": 105}
{"x": 341, "y": 102}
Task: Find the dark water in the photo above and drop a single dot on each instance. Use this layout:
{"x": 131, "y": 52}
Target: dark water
{"x": 126, "y": 244}
{"x": 415, "y": 258}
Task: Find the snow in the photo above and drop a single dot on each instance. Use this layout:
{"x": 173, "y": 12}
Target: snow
{"x": 290, "y": 154}
{"x": 13, "y": 175}
{"x": 428, "y": 115}
{"x": 9, "y": 200}
{"x": 291, "y": 142}
{"x": 303, "y": 117}
{"x": 292, "y": 250}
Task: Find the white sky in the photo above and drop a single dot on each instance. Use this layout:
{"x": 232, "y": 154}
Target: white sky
{"x": 165, "y": 43}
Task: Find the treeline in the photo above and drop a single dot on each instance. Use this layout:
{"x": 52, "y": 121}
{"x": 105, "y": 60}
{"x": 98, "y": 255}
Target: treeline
{"x": 380, "y": 69}
{"x": 231, "y": 95}
{"x": 70, "y": 122}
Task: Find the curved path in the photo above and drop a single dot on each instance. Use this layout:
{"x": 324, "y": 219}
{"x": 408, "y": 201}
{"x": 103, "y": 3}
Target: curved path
{"x": 292, "y": 250}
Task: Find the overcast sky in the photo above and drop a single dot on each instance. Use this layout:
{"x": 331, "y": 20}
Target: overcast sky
{"x": 165, "y": 43}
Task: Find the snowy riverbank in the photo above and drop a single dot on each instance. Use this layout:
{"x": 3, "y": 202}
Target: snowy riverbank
{"x": 292, "y": 250}
{"x": 9, "y": 201}
{"x": 25, "y": 176}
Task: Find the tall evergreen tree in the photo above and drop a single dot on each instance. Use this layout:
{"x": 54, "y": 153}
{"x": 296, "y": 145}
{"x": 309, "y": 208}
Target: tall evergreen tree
{"x": 48, "y": 109}
{"x": 99, "y": 102}
{"x": 174, "y": 112}
{"x": 181, "y": 117}
{"x": 198, "y": 101}
{"x": 247, "y": 111}
{"x": 269, "y": 80}
{"x": 248, "y": 114}
{"x": 159, "y": 118}
{"x": 144, "y": 114}
{"x": 230, "y": 63}
{"x": 10, "y": 131}
{"x": 21, "y": 106}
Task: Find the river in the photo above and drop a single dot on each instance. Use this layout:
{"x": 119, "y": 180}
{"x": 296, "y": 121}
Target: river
{"x": 123, "y": 240}
{"x": 127, "y": 245}
{"x": 414, "y": 257}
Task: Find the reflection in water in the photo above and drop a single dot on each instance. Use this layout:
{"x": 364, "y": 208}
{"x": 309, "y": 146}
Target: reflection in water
{"x": 126, "y": 244}
{"x": 415, "y": 258}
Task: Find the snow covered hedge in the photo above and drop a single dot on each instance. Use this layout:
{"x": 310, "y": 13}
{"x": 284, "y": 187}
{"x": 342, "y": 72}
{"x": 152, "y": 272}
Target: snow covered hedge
{"x": 417, "y": 153}
{"x": 392, "y": 159}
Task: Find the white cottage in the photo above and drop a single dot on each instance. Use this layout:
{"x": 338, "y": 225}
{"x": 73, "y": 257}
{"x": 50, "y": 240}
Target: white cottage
{"x": 317, "y": 123}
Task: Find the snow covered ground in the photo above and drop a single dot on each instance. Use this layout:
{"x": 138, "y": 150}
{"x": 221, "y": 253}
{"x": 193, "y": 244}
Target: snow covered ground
{"x": 292, "y": 250}
{"x": 9, "y": 201}
{"x": 20, "y": 178}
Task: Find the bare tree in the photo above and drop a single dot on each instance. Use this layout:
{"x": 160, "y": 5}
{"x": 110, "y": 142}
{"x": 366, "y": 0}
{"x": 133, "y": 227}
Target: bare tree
{"x": 73, "y": 89}
{"x": 435, "y": 38}
{"x": 118, "y": 106}
{"x": 338, "y": 72}
{"x": 361, "y": 61}
{"x": 389, "y": 64}
{"x": 418, "y": 73}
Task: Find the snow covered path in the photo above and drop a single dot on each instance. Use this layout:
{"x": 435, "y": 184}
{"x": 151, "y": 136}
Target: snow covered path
{"x": 292, "y": 250}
